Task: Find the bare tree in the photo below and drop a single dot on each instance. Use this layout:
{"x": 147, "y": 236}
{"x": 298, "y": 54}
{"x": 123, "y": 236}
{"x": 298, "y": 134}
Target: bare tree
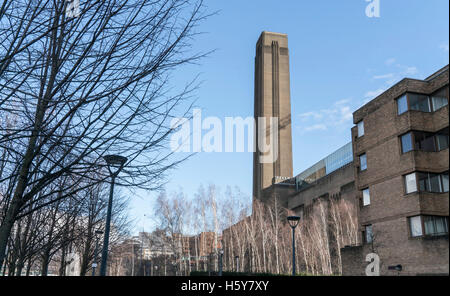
{"x": 170, "y": 214}
{"x": 82, "y": 87}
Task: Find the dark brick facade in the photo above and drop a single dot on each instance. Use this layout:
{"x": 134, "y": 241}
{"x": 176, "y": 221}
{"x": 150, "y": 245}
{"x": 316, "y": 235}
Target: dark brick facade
{"x": 390, "y": 207}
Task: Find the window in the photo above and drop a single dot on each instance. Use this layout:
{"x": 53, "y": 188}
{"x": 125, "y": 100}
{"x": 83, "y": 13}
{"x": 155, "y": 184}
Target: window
{"x": 445, "y": 181}
{"x": 363, "y": 162}
{"x": 432, "y": 225}
{"x": 432, "y": 182}
{"x": 439, "y": 99}
{"x": 415, "y": 226}
{"x": 410, "y": 183}
{"x": 366, "y": 197}
{"x": 435, "y": 225}
{"x": 424, "y": 141}
{"x": 402, "y": 104}
{"x": 360, "y": 128}
{"x": 369, "y": 233}
{"x": 442, "y": 139}
{"x": 424, "y": 103}
{"x": 406, "y": 143}
{"x": 419, "y": 102}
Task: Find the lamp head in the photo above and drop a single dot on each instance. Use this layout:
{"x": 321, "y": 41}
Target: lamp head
{"x": 115, "y": 161}
{"x": 293, "y": 221}
{"x": 398, "y": 267}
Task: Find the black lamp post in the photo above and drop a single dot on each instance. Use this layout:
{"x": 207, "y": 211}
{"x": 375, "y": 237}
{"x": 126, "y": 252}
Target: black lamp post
{"x": 174, "y": 264}
{"x": 220, "y": 262}
{"x": 98, "y": 233}
{"x": 293, "y": 222}
{"x": 115, "y": 165}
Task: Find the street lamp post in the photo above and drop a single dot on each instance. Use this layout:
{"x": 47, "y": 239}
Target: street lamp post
{"x": 293, "y": 222}
{"x": 98, "y": 233}
{"x": 117, "y": 162}
{"x": 220, "y": 261}
{"x": 174, "y": 264}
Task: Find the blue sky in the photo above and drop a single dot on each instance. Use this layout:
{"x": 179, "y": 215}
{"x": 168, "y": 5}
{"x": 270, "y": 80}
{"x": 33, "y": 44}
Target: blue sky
{"x": 339, "y": 60}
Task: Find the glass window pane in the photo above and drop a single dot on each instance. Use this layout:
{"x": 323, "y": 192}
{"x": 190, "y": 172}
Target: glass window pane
{"x": 439, "y": 100}
{"x": 445, "y": 182}
{"x": 442, "y": 139}
{"x": 360, "y": 128}
{"x": 416, "y": 226}
{"x": 406, "y": 143}
{"x": 419, "y": 102}
{"x": 402, "y": 104}
{"x": 428, "y": 222}
{"x": 424, "y": 141}
{"x": 366, "y": 197}
{"x": 369, "y": 233}
{"x": 435, "y": 225}
{"x": 424, "y": 182}
{"x": 410, "y": 181}
{"x": 441, "y": 225}
{"x": 363, "y": 162}
{"x": 435, "y": 183}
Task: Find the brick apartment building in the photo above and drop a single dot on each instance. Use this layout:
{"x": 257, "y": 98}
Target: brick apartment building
{"x": 400, "y": 147}
{"x": 394, "y": 171}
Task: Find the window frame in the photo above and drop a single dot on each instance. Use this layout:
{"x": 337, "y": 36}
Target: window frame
{"x": 410, "y": 226}
{"x": 446, "y": 90}
{"x": 365, "y": 233}
{"x": 365, "y": 205}
{"x": 424, "y": 133}
{"x": 360, "y": 166}
{"x": 422, "y": 225}
{"x": 418, "y": 189}
{"x": 411, "y": 133}
{"x": 434, "y": 218}
{"x": 407, "y": 94}
{"x": 358, "y": 129}
{"x": 419, "y": 94}
{"x": 413, "y": 136}
{"x": 405, "y": 183}
{"x": 442, "y": 181}
{"x": 440, "y": 133}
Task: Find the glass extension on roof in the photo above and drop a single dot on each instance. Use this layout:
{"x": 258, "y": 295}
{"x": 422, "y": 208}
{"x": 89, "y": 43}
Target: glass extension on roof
{"x": 329, "y": 164}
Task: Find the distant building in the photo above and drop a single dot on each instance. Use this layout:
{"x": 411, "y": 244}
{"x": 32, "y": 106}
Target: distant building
{"x": 154, "y": 244}
{"x": 156, "y": 253}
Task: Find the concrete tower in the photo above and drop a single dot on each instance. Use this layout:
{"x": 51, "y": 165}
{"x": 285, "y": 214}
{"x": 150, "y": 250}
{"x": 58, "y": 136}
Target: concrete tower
{"x": 272, "y": 99}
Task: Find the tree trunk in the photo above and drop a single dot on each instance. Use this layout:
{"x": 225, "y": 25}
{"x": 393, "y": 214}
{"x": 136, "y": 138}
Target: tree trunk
{"x": 85, "y": 258}
{"x": 30, "y": 263}
{"x": 20, "y": 266}
{"x": 45, "y": 262}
